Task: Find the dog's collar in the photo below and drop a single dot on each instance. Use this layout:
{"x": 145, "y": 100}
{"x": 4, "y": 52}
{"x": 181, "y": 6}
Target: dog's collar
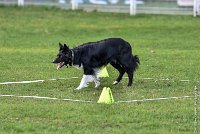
{"x": 72, "y": 56}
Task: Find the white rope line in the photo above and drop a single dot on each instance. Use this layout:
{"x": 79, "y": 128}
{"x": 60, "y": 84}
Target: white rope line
{"x": 88, "y": 101}
{"x": 35, "y": 81}
{"x": 47, "y": 98}
{"x": 154, "y": 99}
{"x": 163, "y": 79}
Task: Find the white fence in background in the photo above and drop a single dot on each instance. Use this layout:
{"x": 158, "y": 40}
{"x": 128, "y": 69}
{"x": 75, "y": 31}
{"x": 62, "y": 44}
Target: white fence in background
{"x": 180, "y": 7}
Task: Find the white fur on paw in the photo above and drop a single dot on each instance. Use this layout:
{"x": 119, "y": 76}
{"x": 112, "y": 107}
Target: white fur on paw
{"x": 78, "y": 88}
{"x": 97, "y": 84}
{"x": 116, "y": 82}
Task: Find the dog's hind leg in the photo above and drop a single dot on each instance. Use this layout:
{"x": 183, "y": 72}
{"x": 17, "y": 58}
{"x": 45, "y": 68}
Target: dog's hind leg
{"x": 121, "y": 72}
{"x": 129, "y": 71}
{"x": 130, "y": 65}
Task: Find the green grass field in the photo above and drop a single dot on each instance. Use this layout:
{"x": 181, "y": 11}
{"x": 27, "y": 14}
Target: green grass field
{"x": 168, "y": 47}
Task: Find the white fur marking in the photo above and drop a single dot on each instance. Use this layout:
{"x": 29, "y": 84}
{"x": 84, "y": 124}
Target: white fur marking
{"x": 96, "y": 81}
{"x": 97, "y": 72}
{"x": 96, "y": 77}
{"x": 97, "y": 84}
{"x": 85, "y": 80}
{"x": 89, "y": 78}
{"x": 115, "y": 82}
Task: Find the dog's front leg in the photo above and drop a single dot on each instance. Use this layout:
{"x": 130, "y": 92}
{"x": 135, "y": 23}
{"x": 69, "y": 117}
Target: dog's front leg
{"x": 90, "y": 75}
{"x": 85, "y": 80}
{"x": 96, "y": 81}
{"x": 96, "y": 77}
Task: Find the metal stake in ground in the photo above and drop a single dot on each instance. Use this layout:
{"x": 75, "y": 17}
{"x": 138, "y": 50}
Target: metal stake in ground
{"x": 195, "y": 110}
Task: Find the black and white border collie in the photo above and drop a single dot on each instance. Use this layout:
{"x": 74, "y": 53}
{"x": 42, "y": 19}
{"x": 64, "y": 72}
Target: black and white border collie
{"x": 92, "y": 56}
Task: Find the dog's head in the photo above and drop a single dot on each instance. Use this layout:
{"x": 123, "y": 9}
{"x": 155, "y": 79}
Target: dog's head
{"x": 64, "y": 57}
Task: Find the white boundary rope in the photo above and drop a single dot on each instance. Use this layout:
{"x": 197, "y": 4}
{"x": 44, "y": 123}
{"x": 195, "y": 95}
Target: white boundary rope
{"x": 154, "y": 99}
{"x": 88, "y": 101}
{"x": 47, "y": 98}
{"x": 35, "y": 81}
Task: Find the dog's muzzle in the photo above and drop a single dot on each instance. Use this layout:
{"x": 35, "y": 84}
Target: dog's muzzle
{"x": 59, "y": 65}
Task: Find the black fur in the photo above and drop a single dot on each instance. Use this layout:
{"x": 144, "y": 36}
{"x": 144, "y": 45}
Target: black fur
{"x": 115, "y": 51}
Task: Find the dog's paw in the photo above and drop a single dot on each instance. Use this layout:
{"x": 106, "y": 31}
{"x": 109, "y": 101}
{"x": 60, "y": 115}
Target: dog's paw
{"x": 81, "y": 87}
{"x": 78, "y": 88}
{"x": 115, "y": 82}
{"x": 97, "y": 84}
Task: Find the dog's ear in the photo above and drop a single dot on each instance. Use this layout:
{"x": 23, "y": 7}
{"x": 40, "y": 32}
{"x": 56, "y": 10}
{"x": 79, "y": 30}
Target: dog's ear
{"x": 61, "y": 46}
{"x": 65, "y": 47}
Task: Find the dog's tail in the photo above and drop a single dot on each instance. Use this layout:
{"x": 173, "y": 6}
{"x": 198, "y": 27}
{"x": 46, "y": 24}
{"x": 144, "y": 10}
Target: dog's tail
{"x": 136, "y": 61}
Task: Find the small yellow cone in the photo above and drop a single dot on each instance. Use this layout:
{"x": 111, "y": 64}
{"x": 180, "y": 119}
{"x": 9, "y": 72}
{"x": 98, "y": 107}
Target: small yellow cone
{"x": 106, "y": 96}
{"x": 103, "y": 72}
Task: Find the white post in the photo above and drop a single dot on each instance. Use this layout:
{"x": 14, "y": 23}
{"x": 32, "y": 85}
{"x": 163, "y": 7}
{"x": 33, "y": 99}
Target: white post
{"x": 195, "y": 8}
{"x": 132, "y": 7}
{"x": 198, "y": 7}
{"x": 20, "y": 2}
{"x": 74, "y": 4}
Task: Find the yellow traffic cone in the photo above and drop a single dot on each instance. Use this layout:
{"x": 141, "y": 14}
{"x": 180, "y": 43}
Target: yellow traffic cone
{"x": 106, "y": 96}
{"x": 103, "y": 72}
